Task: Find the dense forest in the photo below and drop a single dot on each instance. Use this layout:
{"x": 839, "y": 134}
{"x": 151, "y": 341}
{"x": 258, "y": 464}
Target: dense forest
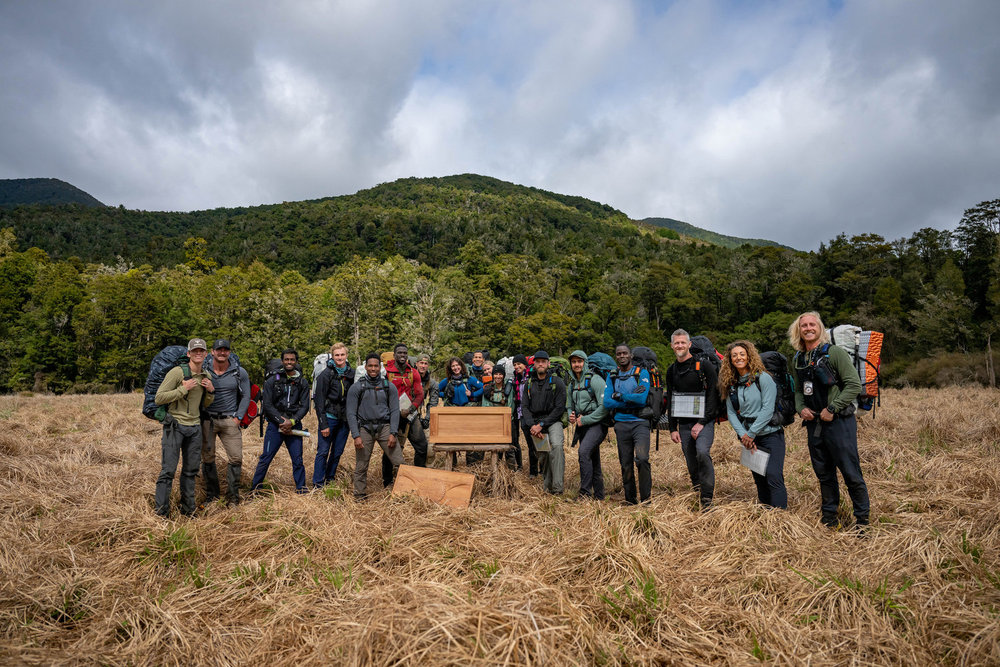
{"x": 453, "y": 264}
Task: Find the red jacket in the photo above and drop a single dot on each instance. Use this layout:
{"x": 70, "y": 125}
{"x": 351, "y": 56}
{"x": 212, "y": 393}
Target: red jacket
{"x": 407, "y": 381}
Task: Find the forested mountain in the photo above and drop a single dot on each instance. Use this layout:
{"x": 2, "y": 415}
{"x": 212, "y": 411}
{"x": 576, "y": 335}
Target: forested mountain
{"x": 427, "y": 220}
{"x": 453, "y": 264}
{"x": 690, "y": 231}
{"x": 45, "y": 191}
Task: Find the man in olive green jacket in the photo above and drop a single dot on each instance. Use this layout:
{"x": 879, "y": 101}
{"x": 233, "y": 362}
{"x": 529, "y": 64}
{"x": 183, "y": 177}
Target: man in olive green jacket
{"x": 826, "y": 385}
{"x": 585, "y": 404}
{"x": 185, "y": 392}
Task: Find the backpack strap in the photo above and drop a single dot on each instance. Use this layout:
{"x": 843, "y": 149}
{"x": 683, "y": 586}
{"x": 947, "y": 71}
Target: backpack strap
{"x": 586, "y": 385}
{"x": 701, "y": 374}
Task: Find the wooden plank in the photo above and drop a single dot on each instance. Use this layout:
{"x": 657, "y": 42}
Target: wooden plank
{"x": 469, "y": 425}
{"x": 463, "y": 447}
{"x": 453, "y": 489}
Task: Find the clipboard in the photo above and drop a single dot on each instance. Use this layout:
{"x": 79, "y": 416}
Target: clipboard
{"x": 687, "y": 405}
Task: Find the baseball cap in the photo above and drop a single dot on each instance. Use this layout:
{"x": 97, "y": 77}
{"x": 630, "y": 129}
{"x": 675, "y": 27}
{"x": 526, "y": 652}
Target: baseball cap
{"x": 197, "y": 344}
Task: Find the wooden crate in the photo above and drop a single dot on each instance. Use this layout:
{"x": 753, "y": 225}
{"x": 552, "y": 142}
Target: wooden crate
{"x": 469, "y": 425}
{"x": 470, "y": 429}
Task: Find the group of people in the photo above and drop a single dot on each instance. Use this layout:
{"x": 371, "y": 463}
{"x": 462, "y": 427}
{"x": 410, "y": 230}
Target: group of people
{"x": 387, "y": 401}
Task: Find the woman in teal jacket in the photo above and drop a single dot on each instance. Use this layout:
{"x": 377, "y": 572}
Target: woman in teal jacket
{"x": 750, "y": 393}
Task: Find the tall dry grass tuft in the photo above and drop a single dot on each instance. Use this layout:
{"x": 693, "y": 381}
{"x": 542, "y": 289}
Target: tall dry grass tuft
{"x": 90, "y": 574}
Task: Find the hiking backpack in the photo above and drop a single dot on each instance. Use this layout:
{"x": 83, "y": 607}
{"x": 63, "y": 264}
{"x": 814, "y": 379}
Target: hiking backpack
{"x": 776, "y": 365}
{"x": 508, "y": 365}
{"x": 704, "y": 351}
{"x": 602, "y": 364}
{"x": 643, "y": 357}
{"x": 319, "y": 365}
{"x": 366, "y": 386}
{"x": 865, "y": 350}
{"x": 559, "y": 366}
{"x": 163, "y": 362}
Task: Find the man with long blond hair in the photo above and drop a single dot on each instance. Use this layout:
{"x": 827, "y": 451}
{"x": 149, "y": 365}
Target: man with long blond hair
{"x": 826, "y": 387}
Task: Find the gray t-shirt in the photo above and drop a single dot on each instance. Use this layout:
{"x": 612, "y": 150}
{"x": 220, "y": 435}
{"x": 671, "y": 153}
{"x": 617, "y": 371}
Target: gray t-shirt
{"x": 228, "y": 401}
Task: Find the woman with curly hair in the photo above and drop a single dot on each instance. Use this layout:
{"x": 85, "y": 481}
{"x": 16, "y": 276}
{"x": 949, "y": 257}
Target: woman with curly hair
{"x": 459, "y": 388}
{"x": 750, "y": 394}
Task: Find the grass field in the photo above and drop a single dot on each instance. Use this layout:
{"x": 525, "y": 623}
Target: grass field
{"x": 89, "y": 574}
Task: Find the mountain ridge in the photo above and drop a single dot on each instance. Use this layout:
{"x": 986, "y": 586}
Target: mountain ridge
{"x": 42, "y": 191}
{"x": 702, "y": 234}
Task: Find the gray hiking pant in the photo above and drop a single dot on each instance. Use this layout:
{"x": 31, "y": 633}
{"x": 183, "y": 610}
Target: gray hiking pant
{"x": 363, "y": 456}
{"x": 178, "y": 441}
{"x": 552, "y": 464}
{"x": 698, "y": 455}
{"x": 633, "y": 448}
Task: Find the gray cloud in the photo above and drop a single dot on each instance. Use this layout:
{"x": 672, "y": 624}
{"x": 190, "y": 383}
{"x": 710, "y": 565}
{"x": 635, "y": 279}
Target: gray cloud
{"x": 788, "y": 120}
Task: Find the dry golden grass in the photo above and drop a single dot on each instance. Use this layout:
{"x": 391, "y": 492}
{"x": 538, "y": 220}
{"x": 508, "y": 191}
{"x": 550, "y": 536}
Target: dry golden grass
{"x": 89, "y": 574}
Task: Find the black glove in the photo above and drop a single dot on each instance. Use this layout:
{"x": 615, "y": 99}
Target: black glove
{"x": 617, "y": 396}
{"x": 426, "y": 422}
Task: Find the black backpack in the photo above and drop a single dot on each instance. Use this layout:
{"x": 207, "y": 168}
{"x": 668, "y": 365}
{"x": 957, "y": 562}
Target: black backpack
{"x": 168, "y": 357}
{"x": 776, "y": 366}
{"x": 643, "y": 357}
{"x": 704, "y": 351}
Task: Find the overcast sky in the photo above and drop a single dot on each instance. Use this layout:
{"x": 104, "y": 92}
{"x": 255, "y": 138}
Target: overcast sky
{"x": 792, "y": 120}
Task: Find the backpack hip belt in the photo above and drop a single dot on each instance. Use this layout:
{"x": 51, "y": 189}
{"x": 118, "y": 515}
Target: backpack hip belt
{"x": 372, "y": 426}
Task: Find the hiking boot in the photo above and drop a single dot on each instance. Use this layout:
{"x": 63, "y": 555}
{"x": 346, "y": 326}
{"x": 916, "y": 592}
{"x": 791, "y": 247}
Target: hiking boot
{"x": 831, "y": 522}
{"x": 210, "y": 477}
{"x": 233, "y": 475}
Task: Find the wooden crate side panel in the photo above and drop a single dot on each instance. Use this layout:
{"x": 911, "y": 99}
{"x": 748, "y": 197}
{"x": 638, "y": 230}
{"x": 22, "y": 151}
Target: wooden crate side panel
{"x": 470, "y": 425}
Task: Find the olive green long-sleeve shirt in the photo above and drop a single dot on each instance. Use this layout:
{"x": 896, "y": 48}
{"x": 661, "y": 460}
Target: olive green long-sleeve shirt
{"x": 185, "y": 406}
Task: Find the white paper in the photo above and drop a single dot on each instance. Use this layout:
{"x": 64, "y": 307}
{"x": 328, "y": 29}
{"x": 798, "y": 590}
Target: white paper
{"x": 542, "y": 444}
{"x": 687, "y": 405}
{"x": 756, "y": 461}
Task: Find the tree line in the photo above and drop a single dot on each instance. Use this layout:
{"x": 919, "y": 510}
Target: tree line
{"x": 447, "y": 270}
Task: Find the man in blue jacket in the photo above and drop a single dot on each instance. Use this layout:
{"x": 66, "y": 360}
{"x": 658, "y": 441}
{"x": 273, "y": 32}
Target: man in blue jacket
{"x": 625, "y": 395}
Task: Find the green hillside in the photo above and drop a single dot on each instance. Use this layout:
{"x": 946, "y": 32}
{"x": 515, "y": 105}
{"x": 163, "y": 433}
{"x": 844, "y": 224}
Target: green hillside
{"x": 48, "y": 191}
{"x": 427, "y": 220}
{"x": 690, "y": 231}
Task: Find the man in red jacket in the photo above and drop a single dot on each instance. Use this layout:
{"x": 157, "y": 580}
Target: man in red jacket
{"x": 406, "y": 378}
